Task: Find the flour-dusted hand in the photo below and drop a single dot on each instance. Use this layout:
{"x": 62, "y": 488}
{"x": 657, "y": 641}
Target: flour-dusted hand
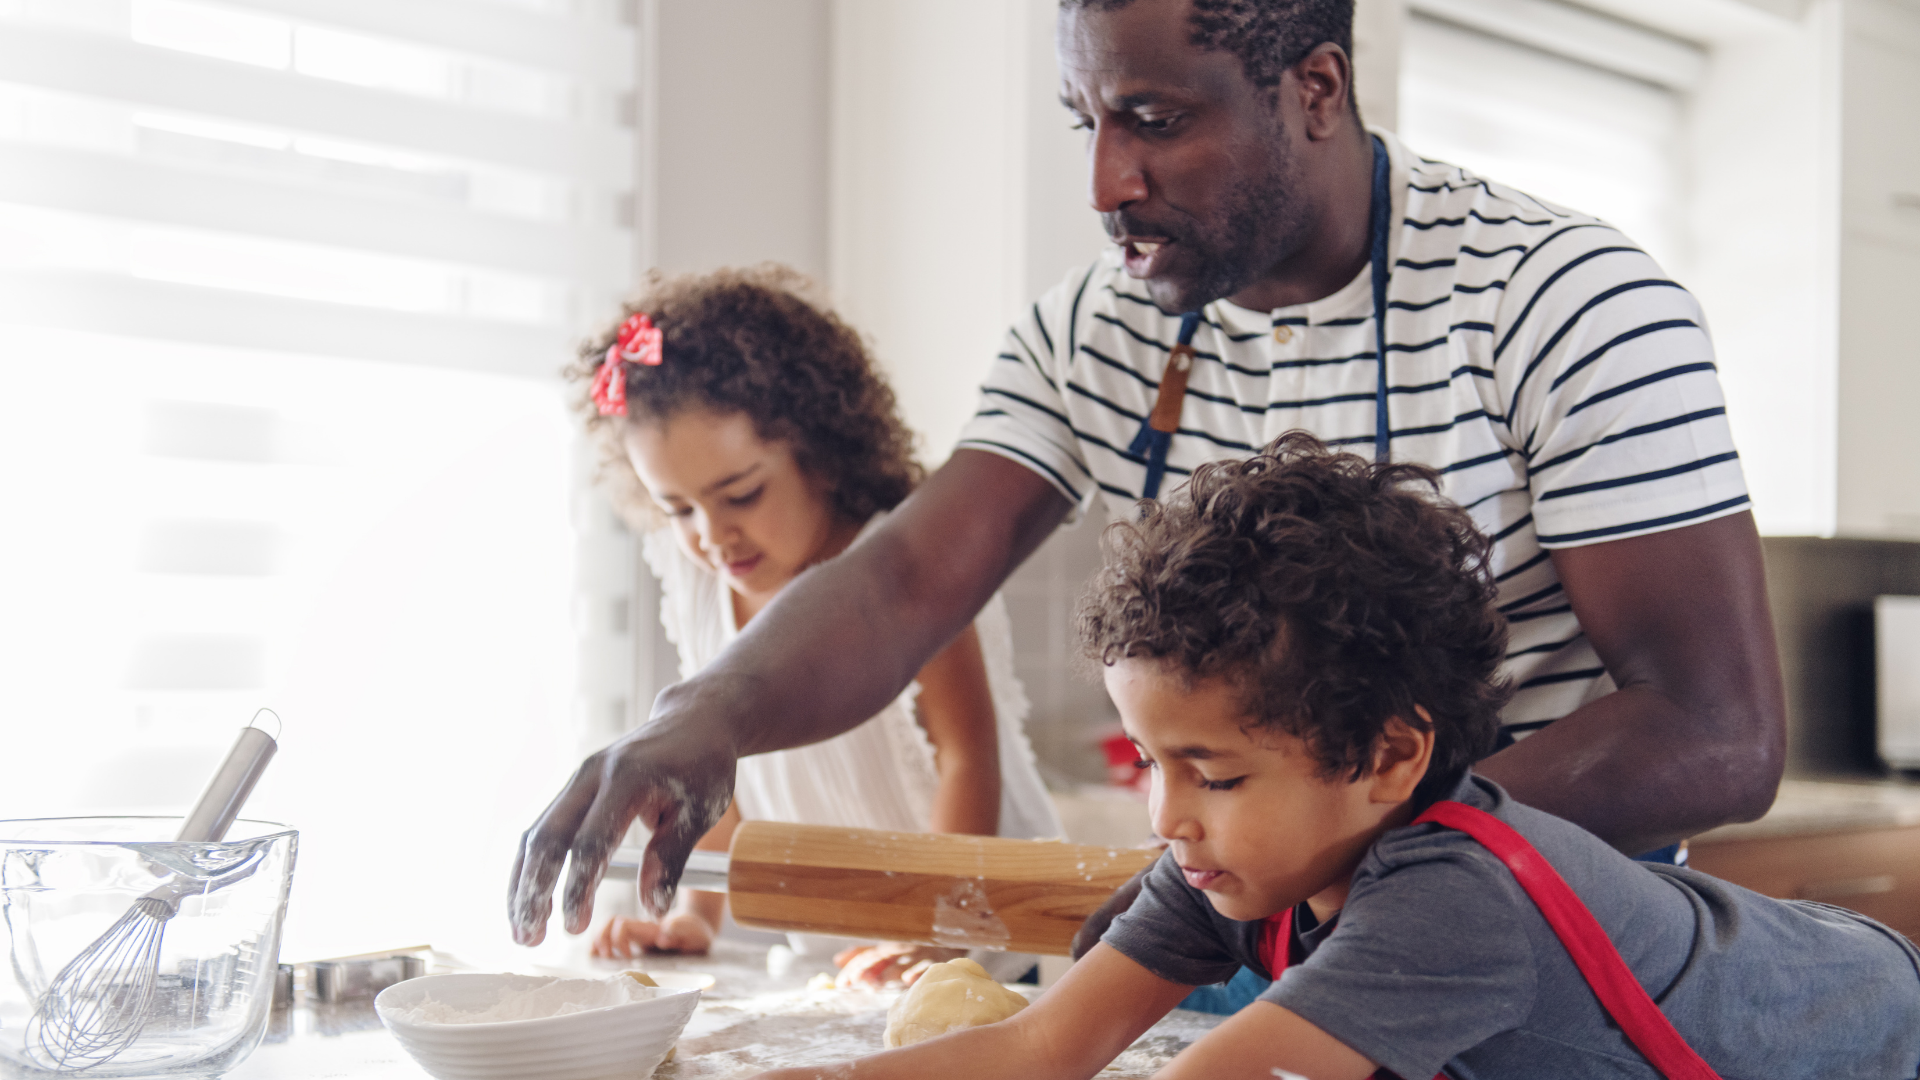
{"x": 675, "y": 775}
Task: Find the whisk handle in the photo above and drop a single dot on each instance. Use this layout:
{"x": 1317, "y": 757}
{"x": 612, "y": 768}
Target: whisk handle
{"x": 227, "y": 792}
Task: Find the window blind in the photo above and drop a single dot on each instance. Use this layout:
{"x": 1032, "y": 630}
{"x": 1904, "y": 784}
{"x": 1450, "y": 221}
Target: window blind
{"x": 284, "y": 285}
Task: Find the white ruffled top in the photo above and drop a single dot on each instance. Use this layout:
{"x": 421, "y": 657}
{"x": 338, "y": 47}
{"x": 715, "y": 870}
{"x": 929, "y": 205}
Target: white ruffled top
{"x": 881, "y": 774}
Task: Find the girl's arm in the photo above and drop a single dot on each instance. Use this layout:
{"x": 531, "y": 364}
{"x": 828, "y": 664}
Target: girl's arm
{"x": 1097, "y": 1009}
{"x": 955, "y": 707}
{"x": 692, "y": 924}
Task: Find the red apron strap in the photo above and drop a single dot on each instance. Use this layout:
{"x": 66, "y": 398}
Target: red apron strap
{"x": 1276, "y": 941}
{"x": 1612, "y": 982}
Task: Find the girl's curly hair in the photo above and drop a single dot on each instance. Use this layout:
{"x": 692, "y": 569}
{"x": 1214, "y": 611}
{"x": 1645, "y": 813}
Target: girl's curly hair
{"x": 1334, "y": 592}
{"x": 754, "y": 341}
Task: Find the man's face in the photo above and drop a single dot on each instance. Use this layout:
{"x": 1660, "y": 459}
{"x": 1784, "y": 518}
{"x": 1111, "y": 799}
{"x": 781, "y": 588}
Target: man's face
{"x": 1191, "y": 166}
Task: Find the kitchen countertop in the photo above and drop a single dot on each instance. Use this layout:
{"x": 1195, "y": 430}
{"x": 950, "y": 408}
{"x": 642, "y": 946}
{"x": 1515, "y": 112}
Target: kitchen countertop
{"x": 1812, "y": 807}
{"x": 749, "y": 1021}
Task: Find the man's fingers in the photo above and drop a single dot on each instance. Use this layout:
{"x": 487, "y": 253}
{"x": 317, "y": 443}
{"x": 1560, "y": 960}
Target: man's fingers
{"x": 660, "y": 871}
{"x": 543, "y": 849}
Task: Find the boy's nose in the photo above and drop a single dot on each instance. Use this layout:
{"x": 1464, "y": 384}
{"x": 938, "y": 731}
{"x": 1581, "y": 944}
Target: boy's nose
{"x": 1171, "y": 817}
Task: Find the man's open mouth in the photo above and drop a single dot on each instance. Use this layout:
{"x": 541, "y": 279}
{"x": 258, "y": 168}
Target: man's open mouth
{"x": 1144, "y": 256}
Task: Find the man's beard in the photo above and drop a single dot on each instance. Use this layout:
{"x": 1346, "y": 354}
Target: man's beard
{"x": 1260, "y": 223}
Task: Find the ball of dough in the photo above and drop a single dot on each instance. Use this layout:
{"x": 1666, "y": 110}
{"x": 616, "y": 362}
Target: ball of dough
{"x": 950, "y": 996}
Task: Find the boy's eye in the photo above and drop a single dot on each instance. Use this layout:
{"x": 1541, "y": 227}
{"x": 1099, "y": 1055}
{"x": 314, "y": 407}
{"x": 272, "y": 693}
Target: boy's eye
{"x": 1222, "y": 785}
{"x": 748, "y": 498}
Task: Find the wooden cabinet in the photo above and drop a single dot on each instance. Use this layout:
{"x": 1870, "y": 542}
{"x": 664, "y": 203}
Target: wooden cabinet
{"x": 1875, "y": 871}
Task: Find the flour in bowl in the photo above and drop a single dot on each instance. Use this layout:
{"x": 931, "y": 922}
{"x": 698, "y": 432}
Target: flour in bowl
{"x": 555, "y": 997}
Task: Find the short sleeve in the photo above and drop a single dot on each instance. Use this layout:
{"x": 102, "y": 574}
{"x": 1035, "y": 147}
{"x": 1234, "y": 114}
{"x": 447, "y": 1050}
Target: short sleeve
{"x": 1023, "y": 411}
{"x": 1607, "y": 374}
{"x": 1428, "y": 960}
{"x": 1172, "y": 931}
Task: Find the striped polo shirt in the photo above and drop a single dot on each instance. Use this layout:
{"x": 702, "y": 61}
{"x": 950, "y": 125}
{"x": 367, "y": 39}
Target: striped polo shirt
{"x": 1561, "y": 384}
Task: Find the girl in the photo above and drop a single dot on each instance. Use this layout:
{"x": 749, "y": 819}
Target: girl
{"x": 746, "y": 433}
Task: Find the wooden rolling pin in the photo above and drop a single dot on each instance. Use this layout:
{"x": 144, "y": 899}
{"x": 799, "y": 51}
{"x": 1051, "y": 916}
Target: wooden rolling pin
{"x": 979, "y": 892}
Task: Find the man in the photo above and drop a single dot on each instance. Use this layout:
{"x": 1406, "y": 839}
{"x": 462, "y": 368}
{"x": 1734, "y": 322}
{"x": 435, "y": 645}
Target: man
{"x": 1563, "y": 387}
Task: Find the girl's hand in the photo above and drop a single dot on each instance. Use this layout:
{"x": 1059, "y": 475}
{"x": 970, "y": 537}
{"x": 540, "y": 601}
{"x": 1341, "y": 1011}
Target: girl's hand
{"x": 680, "y": 932}
{"x": 878, "y": 965}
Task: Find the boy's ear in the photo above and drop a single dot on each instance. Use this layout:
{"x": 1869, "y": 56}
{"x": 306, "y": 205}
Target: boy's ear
{"x": 1400, "y": 758}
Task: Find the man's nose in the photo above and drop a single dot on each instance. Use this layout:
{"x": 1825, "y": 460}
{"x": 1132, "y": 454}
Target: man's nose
{"x": 1115, "y": 176}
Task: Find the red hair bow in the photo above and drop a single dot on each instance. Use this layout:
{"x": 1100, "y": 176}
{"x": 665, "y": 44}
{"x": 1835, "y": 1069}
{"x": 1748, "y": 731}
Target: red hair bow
{"x": 638, "y": 343}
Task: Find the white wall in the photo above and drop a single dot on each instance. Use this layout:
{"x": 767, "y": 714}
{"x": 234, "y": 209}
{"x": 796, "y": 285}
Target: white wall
{"x": 1878, "y": 437}
{"x": 927, "y": 202}
{"x": 739, "y": 109}
{"x": 1765, "y": 249}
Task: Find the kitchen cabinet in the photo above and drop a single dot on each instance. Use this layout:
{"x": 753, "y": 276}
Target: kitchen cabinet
{"x": 1855, "y": 845}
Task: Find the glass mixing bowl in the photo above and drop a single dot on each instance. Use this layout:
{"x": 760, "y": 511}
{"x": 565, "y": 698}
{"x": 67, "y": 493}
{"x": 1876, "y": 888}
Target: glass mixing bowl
{"x": 130, "y": 955}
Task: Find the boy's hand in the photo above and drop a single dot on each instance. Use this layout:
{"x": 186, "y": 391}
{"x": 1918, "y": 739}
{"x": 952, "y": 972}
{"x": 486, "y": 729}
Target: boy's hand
{"x": 681, "y": 932}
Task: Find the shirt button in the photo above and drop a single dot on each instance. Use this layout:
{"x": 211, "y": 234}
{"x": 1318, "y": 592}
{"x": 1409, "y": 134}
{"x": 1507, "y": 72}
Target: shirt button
{"x": 1283, "y": 334}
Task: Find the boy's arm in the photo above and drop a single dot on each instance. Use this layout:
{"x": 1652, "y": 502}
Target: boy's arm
{"x": 1096, "y": 1010}
{"x": 1266, "y": 1040}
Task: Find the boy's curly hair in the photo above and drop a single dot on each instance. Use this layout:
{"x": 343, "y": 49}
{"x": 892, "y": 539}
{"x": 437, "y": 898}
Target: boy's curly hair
{"x": 1336, "y": 593}
{"x": 754, "y": 341}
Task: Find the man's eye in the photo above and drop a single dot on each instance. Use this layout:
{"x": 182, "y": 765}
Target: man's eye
{"x": 1080, "y": 123}
{"x": 1222, "y": 785}
{"x": 1155, "y": 123}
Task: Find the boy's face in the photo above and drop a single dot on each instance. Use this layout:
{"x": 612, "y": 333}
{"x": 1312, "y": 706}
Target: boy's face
{"x": 1250, "y": 819}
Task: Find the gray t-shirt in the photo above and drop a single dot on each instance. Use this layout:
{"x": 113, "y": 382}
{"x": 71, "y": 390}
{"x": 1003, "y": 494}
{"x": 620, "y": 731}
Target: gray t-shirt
{"x": 1440, "y": 959}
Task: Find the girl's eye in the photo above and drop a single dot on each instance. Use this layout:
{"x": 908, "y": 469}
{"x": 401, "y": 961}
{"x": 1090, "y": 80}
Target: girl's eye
{"x": 678, "y": 511}
{"x": 748, "y": 499}
{"x": 1222, "y": 785}
{"x": 1143, "y": 763}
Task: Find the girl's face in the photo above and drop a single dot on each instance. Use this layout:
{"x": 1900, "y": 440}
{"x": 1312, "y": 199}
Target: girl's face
{"x": 738, "y": 503}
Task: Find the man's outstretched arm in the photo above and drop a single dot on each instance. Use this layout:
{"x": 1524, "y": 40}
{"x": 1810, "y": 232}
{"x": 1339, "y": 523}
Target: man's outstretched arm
{"x": 1695, "y": 734}
{"x": 830, "y": 651}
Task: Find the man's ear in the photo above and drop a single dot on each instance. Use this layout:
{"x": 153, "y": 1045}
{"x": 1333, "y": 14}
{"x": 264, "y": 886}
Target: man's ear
{"x": 1400, "y": 758}
{"x": 1324, "y": 80}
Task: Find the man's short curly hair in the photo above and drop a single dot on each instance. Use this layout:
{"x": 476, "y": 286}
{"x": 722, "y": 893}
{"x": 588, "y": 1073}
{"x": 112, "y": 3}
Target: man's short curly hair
{"x": 1268, "y": 36}
{"x": 754, "y": 341}
{"x": 1334, "y": 592}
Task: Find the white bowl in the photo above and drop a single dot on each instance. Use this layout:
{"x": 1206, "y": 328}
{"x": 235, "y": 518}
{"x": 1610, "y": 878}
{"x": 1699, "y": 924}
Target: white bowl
{"x": 616, "y": 1041}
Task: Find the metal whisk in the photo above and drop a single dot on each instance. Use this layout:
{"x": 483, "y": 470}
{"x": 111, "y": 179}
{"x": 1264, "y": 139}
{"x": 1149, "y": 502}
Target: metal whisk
{"x": 97, "y": 1005}
{"x": 99, "y": 1002}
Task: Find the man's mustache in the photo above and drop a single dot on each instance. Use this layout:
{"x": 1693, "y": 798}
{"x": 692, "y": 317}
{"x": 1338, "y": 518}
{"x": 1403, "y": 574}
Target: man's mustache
{"x": 1119, "y": 225}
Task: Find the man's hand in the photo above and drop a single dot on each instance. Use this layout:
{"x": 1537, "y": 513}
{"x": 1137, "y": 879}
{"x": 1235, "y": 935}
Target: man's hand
{"x": 832, "y": 649}
{"x": 675, "y": 776}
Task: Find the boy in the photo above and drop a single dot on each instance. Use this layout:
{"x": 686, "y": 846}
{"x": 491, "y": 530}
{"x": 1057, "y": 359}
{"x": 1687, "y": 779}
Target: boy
{"x": 1303, "y": 647}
